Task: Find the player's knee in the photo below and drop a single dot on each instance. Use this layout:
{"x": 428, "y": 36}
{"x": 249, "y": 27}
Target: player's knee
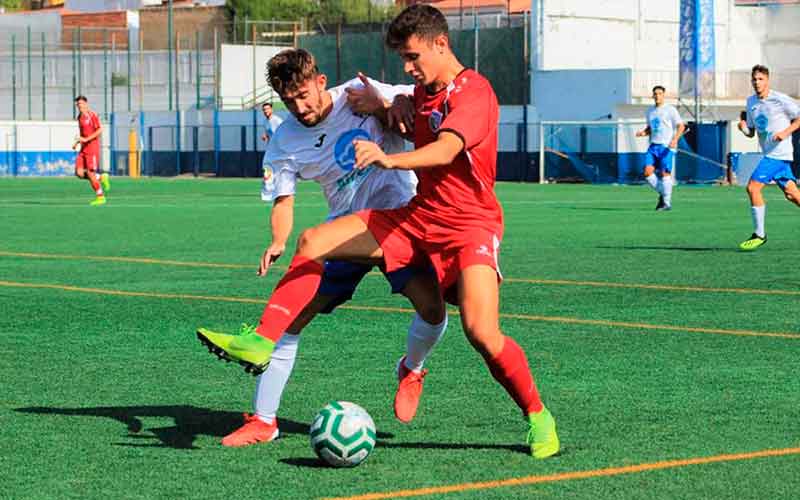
{"x": 80, "y": 174}
{"x": 305, "y": 242}
{"x": 432, "y": 312}
{"x": 753, "y": 188}
{"x": 793, "y": 196}
{"x": 484, "y": 339}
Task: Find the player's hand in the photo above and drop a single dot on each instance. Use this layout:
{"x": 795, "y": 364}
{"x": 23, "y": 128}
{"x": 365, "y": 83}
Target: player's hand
{"x": 779, "y": 136}
{"x": 368, "y": 153}
{"x": 401, "y": 115}
{"x": 271, "y": 254}
{"x": 263, "y": 137}
{"x": 640, "y": 133}
{"x": 365, "y": 100}
{"x": 673, "y": 145}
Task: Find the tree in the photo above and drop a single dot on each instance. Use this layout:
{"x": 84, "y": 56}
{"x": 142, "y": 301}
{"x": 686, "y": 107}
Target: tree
{"x": 11, "y": 4}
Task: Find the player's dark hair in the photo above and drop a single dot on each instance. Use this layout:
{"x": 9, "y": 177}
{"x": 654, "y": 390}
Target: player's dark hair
{"x": 419, "y": 19}
{"x": 264, "y": 105}
{"x": 289, "y": 69}
{"x": 81, "y": 98}
{"x": 659, "y": 87}
{"x": 759, "y": 68}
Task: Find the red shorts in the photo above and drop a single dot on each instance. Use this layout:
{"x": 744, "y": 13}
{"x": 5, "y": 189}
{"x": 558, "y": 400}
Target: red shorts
{"x": 401, "y": 234}
{"x": 86, "y": 160}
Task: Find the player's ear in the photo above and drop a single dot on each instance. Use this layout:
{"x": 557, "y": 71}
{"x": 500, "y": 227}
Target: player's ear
{"x": 322, "y": 81}
{"x": 441, "y": 43}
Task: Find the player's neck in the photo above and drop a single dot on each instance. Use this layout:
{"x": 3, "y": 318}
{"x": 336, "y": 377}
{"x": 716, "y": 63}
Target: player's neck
{"x": 327, "y": 105}
{"x": 764, "y": 94}
{"x": 449, "y": 73}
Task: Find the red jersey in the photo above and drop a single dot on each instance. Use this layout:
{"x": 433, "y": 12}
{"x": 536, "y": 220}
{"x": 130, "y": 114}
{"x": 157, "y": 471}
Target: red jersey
{"x": 88, "y": 124}
{"x": 459, "y": 196}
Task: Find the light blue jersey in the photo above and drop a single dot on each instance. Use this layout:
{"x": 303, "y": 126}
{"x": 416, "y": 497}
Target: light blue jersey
{"x": 663, "y": 122}
{"x": 769, "y": 116}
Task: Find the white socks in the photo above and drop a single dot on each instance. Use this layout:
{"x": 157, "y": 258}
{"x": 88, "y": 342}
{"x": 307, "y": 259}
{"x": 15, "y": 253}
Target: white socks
{"x": 759, "y": 214}
{"x": 272, "y": 382}
{"x": 422, "y": 336}
{"x": 653, "y": 181}
{"x": 666, "y": 189}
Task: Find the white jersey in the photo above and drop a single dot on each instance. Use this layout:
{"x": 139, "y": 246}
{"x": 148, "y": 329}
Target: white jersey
{"x": 325, "y": 153}
{"x": 271, "y": 125}
{"x": 663, "y": 121}
{"x": 769, "y": 116}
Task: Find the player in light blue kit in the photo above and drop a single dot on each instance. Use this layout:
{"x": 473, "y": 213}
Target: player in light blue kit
{"x": 665, "y": 128}
{"x": 774, "y": 117}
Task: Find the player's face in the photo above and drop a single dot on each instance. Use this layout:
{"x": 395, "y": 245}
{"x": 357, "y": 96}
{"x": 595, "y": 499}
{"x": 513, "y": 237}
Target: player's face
{"x": 82, "y": 106}
{"x": 760, "y": 83}
{"x": 267, "y": 111}
{"x": 658, "y": 97}
{"x": 423, "y": 60}
{"x": 307, "y": 102}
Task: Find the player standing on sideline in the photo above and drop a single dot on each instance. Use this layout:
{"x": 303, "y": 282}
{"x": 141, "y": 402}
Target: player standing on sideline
{"x": 316, "y": 142}
{"x": 774, "y": 117}
{"x": 271, "y": 122}
{"x": 88, "y": 159}
{"x": 454, "y": 222}
{"x": 665, "y": 128}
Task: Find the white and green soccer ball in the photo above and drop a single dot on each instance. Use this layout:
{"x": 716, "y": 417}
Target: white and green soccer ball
{"x": 343, "y": 434}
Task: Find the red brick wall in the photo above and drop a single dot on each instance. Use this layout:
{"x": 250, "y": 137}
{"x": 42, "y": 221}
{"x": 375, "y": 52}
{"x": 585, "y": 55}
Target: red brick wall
{"x": 93, "y": 36}
{"x": 186, "y": 22}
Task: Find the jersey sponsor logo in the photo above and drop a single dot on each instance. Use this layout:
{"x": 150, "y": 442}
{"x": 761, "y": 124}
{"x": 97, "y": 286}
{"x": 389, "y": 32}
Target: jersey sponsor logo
{"x": 435, "y": 120}
{"x": 655, "y": 124}
{"x": 761, "y": 122}
{"x": 484, "y": 250}
{"x": 344, "y": 152}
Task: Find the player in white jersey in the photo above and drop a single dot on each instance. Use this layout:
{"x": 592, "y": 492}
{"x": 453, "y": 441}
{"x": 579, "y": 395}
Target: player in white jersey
{"x": 774, "y": 117}
{"x": 665, "y": 128}
{"x": 316, "y": 143}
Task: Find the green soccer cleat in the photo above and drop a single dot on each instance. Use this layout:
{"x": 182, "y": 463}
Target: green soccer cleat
{"x": 100, "y": 200}
{"x": 542, "y": 435}
{"x": 249, "y": 349}
{"x": 754, "y": 242}
{"x": 105, "y": 181}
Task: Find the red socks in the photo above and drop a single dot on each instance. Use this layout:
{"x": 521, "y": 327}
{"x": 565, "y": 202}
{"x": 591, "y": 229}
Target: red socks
{"x": 293, "y": 293}
{"x": 510, "y": 368}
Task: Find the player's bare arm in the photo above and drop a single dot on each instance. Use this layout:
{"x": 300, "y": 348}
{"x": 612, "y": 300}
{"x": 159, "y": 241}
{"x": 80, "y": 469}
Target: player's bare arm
{"x": 397, "y": 115}
{"x": 439, "y": 153}
{"x": 788, "y": 131}
{"x": 281, "y": 222}
{"x": 643, "y": 133}
{"x": 678, "y": 134}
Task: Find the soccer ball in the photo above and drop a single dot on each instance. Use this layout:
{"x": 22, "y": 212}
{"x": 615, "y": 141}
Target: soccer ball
{"x": 342, "y": 434}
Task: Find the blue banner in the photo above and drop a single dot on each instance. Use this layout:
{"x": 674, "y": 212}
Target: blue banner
{"x": 696, "y": 46}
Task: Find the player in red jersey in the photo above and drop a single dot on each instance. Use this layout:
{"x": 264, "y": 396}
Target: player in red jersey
{"x": 454, "y": 222}
{"x": 88, "y": 159}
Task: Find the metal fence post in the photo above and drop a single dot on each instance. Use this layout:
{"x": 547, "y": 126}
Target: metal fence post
{"x": 105, "y": 73}
{"x": 196, "y": 149}
{"x": 197, "y": 67}
{"x": 169, "y": 52}
{"x": 177, "y": 71}
{"x": 178, "y": 143}
{"x": 14, "y": 77}
{"x": 30, "y": 83}
{"x": 113, "y": 65}
{"x": 44, "y": 81}
{"x": 128, "y": 53}
{"x": 79, "y": 63}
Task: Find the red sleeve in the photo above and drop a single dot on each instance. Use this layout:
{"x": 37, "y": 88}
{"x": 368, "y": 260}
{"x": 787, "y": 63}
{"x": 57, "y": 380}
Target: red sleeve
{"x": 469, "y": 109}
{"x": 95, "y": 121}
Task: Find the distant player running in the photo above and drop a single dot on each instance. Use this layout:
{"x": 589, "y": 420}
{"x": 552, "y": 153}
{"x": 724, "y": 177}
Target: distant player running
{"x": 455, "y": 221}
{"x": 774, "y": 117}
{"x": 316, "y": 143}
{"x": 665, "y": 128}
{"x": 88, "y": 159}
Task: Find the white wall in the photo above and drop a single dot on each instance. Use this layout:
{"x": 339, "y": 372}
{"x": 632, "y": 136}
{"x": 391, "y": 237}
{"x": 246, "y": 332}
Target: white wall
{"x": 643, "y": 35}
{"x": 237, "y": 71}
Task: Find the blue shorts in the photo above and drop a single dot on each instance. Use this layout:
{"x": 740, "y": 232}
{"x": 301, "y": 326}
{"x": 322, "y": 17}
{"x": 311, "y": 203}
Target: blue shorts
{"x": 340, "y": 279}
{"x": 770, "y": 169}
{"x": 661, "y": 157}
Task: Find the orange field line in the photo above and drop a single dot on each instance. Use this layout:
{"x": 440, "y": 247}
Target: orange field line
{"x": 569, "y": 476}
{"x": 526, "y": 317}
{"x": 532, "y": 281}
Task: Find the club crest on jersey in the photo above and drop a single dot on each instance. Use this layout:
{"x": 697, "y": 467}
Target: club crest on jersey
{"x": 344, "y": 152}
{"x": 268, "y": 176}
{"x": 435, "y": 120}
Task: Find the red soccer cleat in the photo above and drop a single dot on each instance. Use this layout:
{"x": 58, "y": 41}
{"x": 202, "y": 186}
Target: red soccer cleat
{"x": 409, "y": 390}
{"x": 253, "y": 431}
